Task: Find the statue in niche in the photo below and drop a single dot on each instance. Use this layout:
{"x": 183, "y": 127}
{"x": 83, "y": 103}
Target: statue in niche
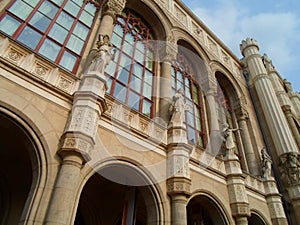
{"x": 266, "y": 164}
{"x": 100, "y": 57}
{"x": 227, "y": 134}
{"x": 178, "y": 108}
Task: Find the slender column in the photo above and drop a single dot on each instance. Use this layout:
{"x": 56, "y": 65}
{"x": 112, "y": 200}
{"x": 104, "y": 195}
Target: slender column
{"x": 274, "y": 116}
{"x": 288, "y": 113}
{"x": 167, "y": 54}
{"x": 111, "y": 9}
{"x": 79, "y": 137}
{"x": 242, "y": 117}
{"x": 178, "y": 182}
{"x": 295, "y": 99}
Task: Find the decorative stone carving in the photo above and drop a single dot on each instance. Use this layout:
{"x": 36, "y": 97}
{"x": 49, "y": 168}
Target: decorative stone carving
{"x": 64, "y": 84}
{"x": 228, "y": 138}
{"x": 178, "y": 186}
{"x": 268, "y": 63}
{"x": 178, "y": 108}
{"x": 289, "y": 168}
{"x": 14, "y": 55}
{"x": 266, "y": 163}
{"x": 100, "y": 57}
{"x": 114, "y": 7}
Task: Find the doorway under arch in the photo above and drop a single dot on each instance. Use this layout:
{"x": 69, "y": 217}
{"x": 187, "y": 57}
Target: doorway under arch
{"x": 17, "y": 170}
{"x": 106, "y": 199}
{"x": 201, "y": 210}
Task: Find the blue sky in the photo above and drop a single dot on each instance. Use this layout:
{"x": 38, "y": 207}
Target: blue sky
{"x": 275, "y": 24}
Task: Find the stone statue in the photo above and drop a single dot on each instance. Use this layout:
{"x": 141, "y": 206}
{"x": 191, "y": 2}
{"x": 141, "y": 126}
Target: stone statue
{"x": 178, "y": 108}
{"x": 266, "y": 164}
{"x": 289, "y": 168}
{"x": 100, "y": 57}
{"x": 267, "y": 62}
{"x": 227, "y": 133}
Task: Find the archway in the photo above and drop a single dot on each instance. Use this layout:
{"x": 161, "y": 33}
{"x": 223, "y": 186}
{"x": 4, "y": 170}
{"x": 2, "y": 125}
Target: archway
{"x": 255, "y": 219}
{"x": 106, "y": 199}
{"x": 17, "y": 170}
{"x": 201, "y": 210}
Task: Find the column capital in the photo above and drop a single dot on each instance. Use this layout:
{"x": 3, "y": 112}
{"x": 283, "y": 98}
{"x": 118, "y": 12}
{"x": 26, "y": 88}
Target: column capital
{"x": 113, "y": 8}
{"x": 241, "y": 112}
{"x": 287, "y": 110}
{"x": 168, "y": 50}
{"x": 179, "y": 186}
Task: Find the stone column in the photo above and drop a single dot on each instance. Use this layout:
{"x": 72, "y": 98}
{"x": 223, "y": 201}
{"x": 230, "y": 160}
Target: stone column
{"x": 79, "y": 136}
{"x": 167, "y": 54}
{"x": 288, "y": 113}
{"x": 295, "y": 99}
{"x": 236, "y": 189}
{"x": 275, "y": 118}
{"x": 111, "y": 9}
{"x": 242, "y": 118}
{"x": 178, "y": 181}
{"x": 274, "y": 202}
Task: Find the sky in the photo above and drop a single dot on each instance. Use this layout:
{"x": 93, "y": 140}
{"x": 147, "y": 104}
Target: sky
{"x": 275, "y": 24}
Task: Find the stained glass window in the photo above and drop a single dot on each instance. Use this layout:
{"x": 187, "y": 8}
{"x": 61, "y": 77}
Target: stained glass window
{"x": 183, "y": 77}
{"x": 56, "y": 29}
{"x": 130, "y": 74}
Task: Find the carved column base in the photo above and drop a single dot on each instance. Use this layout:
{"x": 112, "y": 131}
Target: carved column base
{"x": 179, "y": 186}
{"x": 76, "y": 144}
{"x": 177, "y": 134}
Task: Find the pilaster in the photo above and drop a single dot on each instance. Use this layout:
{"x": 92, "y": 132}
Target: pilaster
{"x": 78, "y": 139}
{"x": 167, "y": 54}
{"x": 242, "y": 118}
{"x": 236, "y": 189}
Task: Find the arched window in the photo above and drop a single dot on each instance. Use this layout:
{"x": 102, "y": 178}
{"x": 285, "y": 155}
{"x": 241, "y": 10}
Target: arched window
{"x": 56, "y": 29}
{"x": 224, "y": 111}
{"x": 183, "y": 77}
{"x": 130, "y": 74}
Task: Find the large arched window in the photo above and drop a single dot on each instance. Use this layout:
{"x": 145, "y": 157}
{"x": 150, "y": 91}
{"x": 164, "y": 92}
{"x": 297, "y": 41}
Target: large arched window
{"x": 130, "y": 74}
{"x": 183, "y": 77}
{"x": 224, "y": 111}
{"x": 56, "y": 29}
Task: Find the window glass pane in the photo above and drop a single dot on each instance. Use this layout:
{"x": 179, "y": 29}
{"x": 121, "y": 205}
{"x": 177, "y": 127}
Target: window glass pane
{"x": 179, "y": 77}
{"x": 90, "y": 8}
{"x": 148, "y": 77}
{"x": 58, "y": 33}
{"x": 75, "y": 44}
{"x": 123, "y": 75}
{"x": 127, "y": 48}
{"x": 191, "y": 135}
{"x": 139, "y": 56}
{"x": 140, "y": 46}
{"x": 116, "y": 40}
{"x": 136, "y": 83}
{"x": 49, "y": 49}
{"x": 125, "y": 61}
{"x": 147, "y": 91}
{"x": 138, "y": 70}
{"x": 120, "y": 92}
{"x": 86, "y": 18}
{"x": 65, "y": 20}
{"x": 147, "y": 108}
{"x": 81, "y": 31}
{"x": 48, "y": 9}
{"x": 33, "y": 3}
{"x": 40, "y": 21}
{"x": 68, "y": 61}
{"x": 78, "y": 2}
{"x": 72, "y": 8}
{"x": 20, "y": 9}
{"x": 9, "y": 25}
{"x": 118, "y": 30}
{"x": 134, "y": 100}
{"x": 29, "y": 37}
{"x": 190, "y": 119}
{"x": 58, "y": 2}
{"x": 200, "y": 140}
{"x": 111, "y": 68}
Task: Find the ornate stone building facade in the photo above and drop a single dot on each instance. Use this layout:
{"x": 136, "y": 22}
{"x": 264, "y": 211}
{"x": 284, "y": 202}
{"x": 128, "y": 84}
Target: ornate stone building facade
{"x": 134, "y": 112}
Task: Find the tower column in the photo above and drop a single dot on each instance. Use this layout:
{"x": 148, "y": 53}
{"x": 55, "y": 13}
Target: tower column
{"x": 242, "y": 117}
{"x": 78, "y": 139}
{"x": 288, "y": 113}
{"x": 275, "y": 118}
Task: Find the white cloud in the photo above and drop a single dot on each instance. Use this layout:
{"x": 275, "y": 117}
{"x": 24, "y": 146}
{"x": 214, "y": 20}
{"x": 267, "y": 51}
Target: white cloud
{"x": 278, "y": 33}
